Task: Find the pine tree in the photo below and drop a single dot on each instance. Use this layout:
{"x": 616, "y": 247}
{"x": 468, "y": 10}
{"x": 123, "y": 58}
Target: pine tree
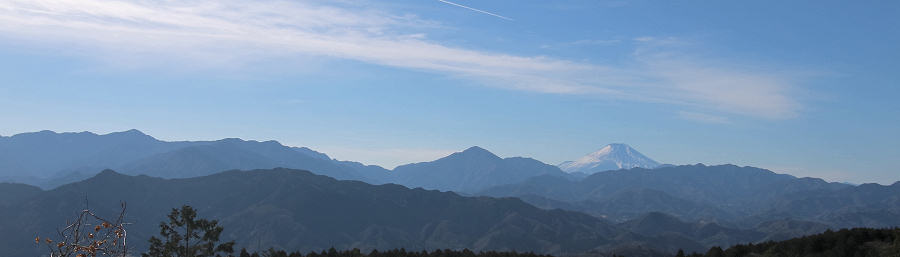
{"x": 715, "y": 252}
{"x": 187, "y": 236}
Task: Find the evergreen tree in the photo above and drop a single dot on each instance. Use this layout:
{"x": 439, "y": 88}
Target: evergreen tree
{"x": 187, "y": 236}
{"x": 715, "y": 252}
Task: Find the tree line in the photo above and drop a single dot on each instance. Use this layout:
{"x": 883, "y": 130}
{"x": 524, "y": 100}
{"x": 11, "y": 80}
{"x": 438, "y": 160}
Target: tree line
{"x": 390, "y": 253}
{"x": 186, "y": 235}
{"x": 856, "y": 242}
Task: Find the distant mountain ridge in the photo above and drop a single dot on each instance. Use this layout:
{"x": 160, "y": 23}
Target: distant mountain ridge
{"x": 610, "y": 157}
{"x": 49, "y": 159}
{"x": 737, "y": 196}
{"x": 471, "y": 170}
{"x": 47, "y": 153}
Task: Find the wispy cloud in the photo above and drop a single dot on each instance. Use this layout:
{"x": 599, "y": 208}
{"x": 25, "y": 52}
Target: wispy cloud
{"x": 477, "y": 10}
{"x": 229, "y": 31}
{"x": 703, "y": 117}
{"x": 583, "y": 42}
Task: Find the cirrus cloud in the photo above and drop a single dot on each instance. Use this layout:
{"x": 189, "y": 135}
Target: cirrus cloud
{"x": 223, "y": 31}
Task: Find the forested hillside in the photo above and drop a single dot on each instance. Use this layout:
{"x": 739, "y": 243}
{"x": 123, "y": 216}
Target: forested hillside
{"x": 291, "y": 209}
{"x": 846, "y": 242}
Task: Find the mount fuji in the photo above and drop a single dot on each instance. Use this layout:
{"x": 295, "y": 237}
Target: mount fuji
{"x": 610, "y": 157}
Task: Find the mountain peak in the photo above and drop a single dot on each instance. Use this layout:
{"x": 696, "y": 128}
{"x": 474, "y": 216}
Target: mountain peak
{"x": 470, "y": 171}
{"x": 133, "y": 131}
{"x": 43, "y": 133}
{"x": 130, "y": 132}
{"x": 610, "y": 148}
{"x": 108, "y": 173}
{"x": 128, "y": 135}
{"x": 619, "y": 145}
{"x": 476, "y": 151}
{"x": 610, "y": 157}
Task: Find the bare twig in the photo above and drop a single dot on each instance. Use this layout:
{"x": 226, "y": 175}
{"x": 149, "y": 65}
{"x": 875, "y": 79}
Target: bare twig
{"x": 78, "y": 239}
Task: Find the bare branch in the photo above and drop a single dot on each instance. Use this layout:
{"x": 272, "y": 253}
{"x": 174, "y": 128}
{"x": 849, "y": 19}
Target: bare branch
{"x": 89, "y": 235}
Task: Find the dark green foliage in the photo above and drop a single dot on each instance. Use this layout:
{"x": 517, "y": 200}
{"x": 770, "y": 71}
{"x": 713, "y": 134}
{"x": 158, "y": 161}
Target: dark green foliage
{"x": 715, "y": 251}
{"x": 845, "y": 242}
{"x": 392, "y": 253}
{"x": 187, "y": 236}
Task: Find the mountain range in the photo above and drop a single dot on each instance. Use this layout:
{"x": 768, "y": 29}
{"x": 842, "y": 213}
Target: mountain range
{"x": 727, "y": 194}
{"x": 50, "y": 159}
{"x": 613, "y": 200}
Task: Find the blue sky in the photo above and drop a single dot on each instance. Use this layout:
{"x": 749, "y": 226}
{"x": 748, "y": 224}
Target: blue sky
{"x": 807, "y": 87}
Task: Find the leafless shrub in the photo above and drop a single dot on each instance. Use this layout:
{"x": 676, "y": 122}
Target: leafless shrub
{"x": 89, "y": 235}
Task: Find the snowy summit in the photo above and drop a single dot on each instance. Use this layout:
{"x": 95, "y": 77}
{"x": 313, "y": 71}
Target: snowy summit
{"x": 610, "y": 157}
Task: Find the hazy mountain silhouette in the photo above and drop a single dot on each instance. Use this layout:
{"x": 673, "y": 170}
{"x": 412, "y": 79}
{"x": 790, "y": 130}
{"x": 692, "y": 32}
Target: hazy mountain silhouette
{"x": 49, "y": 159}
{"x": 706, "y": 233}
{"x": 46, "y": 153}
{"x": 11, "y": 193}
{"x": 201, "y": 160}
{"x": 722, "y": 193}
{"x": 630, "y": 203}
{"x": 866, "y": 205}
{"x": 471, "y": 170}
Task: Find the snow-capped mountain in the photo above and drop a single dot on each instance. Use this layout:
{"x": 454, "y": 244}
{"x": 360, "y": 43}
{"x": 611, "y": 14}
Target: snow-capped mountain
{"x": 610, "y": 157}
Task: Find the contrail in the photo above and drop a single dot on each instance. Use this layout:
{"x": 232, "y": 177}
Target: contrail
{"x": 477, "y": 10}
